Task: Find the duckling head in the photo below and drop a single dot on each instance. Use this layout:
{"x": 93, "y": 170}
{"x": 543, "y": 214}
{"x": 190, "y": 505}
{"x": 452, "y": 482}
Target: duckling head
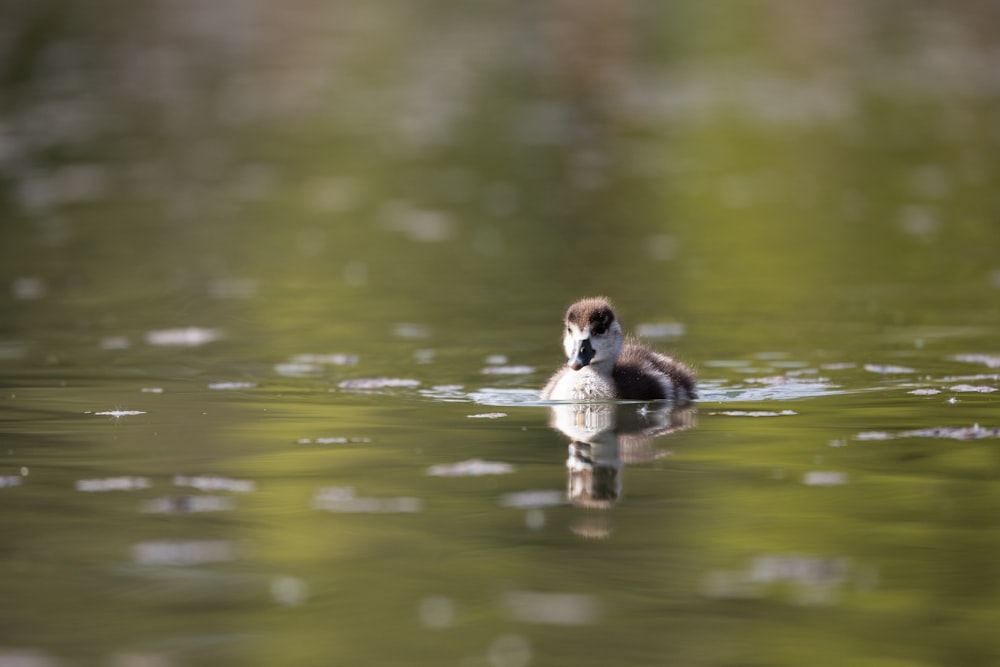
{"x": 593, "y": 335}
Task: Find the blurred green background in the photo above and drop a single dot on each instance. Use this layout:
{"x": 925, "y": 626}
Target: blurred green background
{"x": 497, "y": 159}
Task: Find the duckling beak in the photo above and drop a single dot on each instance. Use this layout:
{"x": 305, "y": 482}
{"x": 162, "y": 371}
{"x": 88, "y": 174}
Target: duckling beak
{"x": 583, "y": 352}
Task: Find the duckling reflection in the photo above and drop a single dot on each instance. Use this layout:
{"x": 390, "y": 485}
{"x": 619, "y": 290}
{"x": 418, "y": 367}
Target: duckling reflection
{"x": 606, "y": 436}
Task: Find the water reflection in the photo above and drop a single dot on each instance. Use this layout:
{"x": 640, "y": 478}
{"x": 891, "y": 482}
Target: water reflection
{"x": 804, "y": 579}
{"x": 606, "y": 436}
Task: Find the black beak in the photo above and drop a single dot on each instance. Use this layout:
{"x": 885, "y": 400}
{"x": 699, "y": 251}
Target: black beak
{"x": 582, "y": 354}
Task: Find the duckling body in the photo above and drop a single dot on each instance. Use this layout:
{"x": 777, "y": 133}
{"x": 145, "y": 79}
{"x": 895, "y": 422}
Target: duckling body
{"x": 602, "y": 365}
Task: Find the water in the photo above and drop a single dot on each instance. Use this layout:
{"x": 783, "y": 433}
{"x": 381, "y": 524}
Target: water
{"x": 280, "y": 285}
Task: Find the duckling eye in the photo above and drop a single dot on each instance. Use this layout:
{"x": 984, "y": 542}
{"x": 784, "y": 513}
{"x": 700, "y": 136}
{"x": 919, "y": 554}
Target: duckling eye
{"x": 600, "y": 329}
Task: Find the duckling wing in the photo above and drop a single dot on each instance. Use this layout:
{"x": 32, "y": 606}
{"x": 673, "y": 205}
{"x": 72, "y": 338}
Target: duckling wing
{"x": 643, "y": 374}
{"x": 681, "y": 375}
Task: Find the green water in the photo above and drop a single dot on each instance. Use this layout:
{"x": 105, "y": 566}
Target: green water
{"x": 310, "y": 262}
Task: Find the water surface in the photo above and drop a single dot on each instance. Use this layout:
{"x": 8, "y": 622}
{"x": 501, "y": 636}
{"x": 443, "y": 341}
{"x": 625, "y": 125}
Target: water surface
{"x": 280, "y": 285}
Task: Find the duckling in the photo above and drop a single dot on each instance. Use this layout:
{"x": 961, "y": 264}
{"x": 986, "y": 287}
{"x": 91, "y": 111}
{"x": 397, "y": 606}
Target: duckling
{"x": 603, "y": 365}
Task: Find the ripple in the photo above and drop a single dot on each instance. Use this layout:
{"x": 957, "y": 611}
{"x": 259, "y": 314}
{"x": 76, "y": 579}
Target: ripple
{"x": 216, "y": 483}
{"x": 334, "y": 440}
{"x": 117, "y": 414}
{"x": 115, "y": 343}
{"x": 979, "y": 376}
{"x": 25, "y": 657}
{"x": 533, "y": 499}
{"x": 367, "y": 384}
{"x": 436, "y": 612}
{"x": 888, "y": 369}
{"x": 824, "y": 478}
{"x": 809, "y": 579}
{"x": 505, "y": 397}
{"x": 289, "y": 591}
{"x": 183, "y": 337}
{"x": 297, "y": 370}
{"x": 232, "y": 288}
{"x": 343, "y": 499}
{"x": 991, "y": 360}
{"x": 725, "y": 363}
{"x": 421, "y": 225}
{"x": 222, "y": 386}
{"x": 183, "y": 552}
{"x": 124, "y": 483}
{"x": 28, "y": 288}
{"x": 11, "y": 350}
{"x": 7, "y": 481}
{"x": 447, "y": 393}
{"x": 755, "y": 413}
{"x": 470, "y": 468}
{"x": 337, "y": 359}
{"x": 972, "y": 388}
{"x": 839, "y": 366}
{"x": 188, "y": 504}
{"x": 660, "y": 330}
{"x": 490, "y": 396}
{"x": 974, "y": 432}
{"x": 551, "y": 608}
{"x": 508, "y": 370}
{"x": 411, "y": 330}
{"x": 775, "y": 380}
{"x": 779, "y": 392}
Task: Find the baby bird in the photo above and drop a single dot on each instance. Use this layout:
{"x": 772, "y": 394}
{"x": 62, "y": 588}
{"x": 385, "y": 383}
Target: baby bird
{"x": 601, "y": 365}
